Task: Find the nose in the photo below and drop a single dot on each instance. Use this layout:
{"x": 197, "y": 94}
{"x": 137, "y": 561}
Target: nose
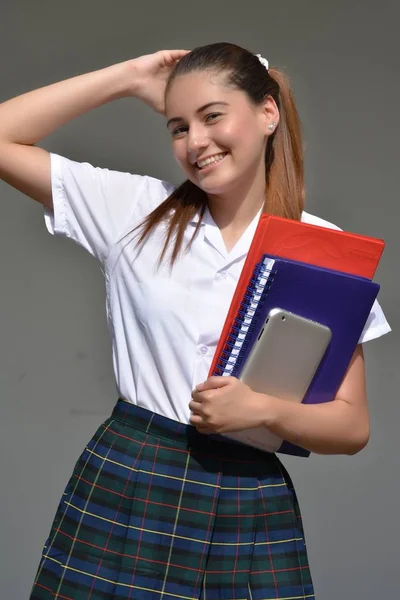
{"x": 196, "y": 142}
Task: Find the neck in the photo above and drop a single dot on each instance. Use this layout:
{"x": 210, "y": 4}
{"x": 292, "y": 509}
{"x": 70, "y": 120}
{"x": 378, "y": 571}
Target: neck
{"x": 235, "y": 210}
{"x": 234, "y": 214}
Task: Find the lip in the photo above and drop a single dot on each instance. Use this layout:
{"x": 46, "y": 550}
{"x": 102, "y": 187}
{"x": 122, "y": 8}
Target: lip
{"x": 211, "y": 166}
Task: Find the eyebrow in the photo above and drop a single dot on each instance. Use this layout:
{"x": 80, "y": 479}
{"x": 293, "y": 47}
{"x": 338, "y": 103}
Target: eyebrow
{"x": 199, "y": 110}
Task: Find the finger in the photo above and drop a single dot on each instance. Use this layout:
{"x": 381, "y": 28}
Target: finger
{"x": 196, "y": 420}
{"x": 204, "y": 430}
{"x": 195, "y": 407}
{"x": 200, "y": 396}
{"x": 214, "y": 382}
{"x": 176, "y": 55}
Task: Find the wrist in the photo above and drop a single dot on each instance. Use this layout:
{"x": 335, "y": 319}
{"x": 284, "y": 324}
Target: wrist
{"x": 270, "y": 409}
{"x": 133, "y": 82}
{"x": 121, "y": 80}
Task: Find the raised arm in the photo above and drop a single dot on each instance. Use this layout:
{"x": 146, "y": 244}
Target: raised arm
{"x": 27, "y": 119}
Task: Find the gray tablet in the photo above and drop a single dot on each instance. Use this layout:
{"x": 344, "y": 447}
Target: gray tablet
{"x": 286, "y": 355}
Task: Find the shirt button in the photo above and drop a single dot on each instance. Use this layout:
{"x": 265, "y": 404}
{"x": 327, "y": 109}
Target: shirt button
{"x": 203, "y": 350}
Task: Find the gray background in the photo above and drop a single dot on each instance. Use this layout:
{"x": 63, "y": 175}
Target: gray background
{"x": 56, "y": 380}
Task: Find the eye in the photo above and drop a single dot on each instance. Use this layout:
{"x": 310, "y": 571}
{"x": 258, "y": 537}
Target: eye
{"x": 179, "y": 131}
{"x": 212, "y": 116}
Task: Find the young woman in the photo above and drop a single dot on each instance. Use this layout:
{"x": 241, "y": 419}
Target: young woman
{"x": 157, "y": 508}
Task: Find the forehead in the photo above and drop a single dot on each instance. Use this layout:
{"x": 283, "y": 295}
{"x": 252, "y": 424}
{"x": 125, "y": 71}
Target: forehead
{"x": 190, "y": 91}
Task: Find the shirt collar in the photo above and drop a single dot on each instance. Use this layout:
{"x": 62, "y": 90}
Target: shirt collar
{"x": 208, "y": 220}
{"x": 196, "y": 217}
{"x": 213, "y": 236}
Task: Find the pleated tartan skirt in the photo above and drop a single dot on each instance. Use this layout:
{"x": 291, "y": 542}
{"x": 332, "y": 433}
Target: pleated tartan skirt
{"x": 155, "y": 510}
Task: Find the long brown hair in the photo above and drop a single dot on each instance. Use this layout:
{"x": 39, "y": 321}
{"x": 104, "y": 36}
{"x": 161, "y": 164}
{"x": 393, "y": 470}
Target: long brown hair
{"x": 284, "y": 194}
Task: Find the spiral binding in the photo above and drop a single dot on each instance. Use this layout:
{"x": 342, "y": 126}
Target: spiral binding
{"x": 253, "y": 300}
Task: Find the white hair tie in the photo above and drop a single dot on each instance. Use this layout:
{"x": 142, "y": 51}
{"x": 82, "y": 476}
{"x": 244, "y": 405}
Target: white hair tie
{"x": 263, "y": 61}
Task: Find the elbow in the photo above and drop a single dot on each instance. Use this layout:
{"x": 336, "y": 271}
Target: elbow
{"x": 358, "y": 441}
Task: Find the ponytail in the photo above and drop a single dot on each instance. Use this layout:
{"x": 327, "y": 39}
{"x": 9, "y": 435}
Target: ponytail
{"x": 284, "y": 157}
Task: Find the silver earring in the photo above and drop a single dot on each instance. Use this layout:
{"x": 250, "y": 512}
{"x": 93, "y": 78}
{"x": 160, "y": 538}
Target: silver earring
{"x": 271, "y": 125}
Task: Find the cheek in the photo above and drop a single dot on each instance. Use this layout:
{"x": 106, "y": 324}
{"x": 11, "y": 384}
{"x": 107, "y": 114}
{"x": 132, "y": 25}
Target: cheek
{"x": 179, "y": 152}
{"x": 249, "y": 141}
{"x": 239, "y": 135}
{"x": 229, "y": 134}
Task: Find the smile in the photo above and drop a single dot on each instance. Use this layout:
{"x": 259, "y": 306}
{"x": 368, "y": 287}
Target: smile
{"x": 211, "y": 160}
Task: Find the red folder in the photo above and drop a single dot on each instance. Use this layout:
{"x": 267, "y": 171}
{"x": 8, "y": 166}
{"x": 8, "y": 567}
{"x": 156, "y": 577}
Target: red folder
{"x": 312, "y": 244}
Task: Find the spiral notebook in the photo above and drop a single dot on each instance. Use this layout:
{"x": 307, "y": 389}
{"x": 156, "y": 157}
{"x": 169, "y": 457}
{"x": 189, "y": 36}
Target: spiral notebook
{"x": 338, "y": 300}
{"x": 295, "y": 240}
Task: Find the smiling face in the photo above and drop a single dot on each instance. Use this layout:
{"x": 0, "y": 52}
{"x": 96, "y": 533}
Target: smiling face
{"x": 218, "y": 134}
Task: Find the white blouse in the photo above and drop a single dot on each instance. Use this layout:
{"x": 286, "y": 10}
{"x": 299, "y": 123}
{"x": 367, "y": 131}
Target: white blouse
{"x": 164, "y": 327}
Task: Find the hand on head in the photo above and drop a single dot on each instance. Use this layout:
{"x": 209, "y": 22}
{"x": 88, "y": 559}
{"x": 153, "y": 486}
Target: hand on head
{"x": 150, "y": 76}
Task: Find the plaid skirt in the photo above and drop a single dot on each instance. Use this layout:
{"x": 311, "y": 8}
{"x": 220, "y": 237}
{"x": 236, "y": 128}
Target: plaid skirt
{"x": 155, "y": 510}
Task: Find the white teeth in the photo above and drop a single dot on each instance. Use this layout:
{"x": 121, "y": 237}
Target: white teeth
{"x": 211, "y": 159}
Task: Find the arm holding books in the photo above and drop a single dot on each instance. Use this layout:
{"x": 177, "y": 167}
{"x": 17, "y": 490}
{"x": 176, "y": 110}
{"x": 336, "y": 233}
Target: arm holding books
{"x": 224, "y": 404}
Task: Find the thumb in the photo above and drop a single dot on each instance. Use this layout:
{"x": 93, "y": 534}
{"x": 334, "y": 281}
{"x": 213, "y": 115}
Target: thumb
{"x": 171, "y": 56}
{"x": 214, "y": 382}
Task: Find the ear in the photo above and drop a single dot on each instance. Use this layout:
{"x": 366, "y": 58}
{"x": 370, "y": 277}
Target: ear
{"x": 270, "y": 115}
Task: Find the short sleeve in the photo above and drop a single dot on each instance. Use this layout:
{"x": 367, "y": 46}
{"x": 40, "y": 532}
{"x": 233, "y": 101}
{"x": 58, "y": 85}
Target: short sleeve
{"x": 376, "y": 324}
{"x": 94, "y": 206}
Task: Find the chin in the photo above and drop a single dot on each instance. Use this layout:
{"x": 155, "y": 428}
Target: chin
{"x": 217, "y": 186}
